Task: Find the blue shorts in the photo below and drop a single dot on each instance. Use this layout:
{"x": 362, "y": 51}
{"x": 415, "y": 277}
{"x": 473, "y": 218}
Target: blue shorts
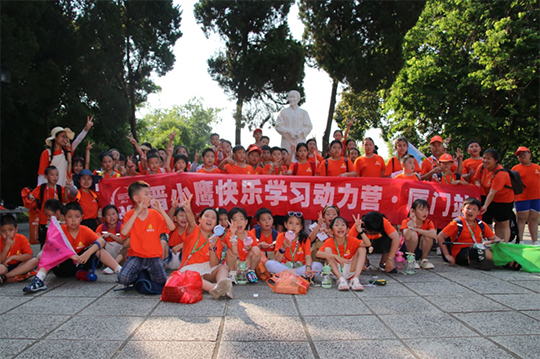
{"x": 528, "y": 205}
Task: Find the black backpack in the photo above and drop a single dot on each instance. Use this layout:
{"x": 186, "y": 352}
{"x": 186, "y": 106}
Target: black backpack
{"x": 515, "y": 178}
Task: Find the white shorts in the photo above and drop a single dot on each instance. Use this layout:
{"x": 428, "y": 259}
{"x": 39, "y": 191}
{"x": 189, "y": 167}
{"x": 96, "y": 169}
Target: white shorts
{"x": 346, "y": 272}
{"x": 201, "y": 268}
{"x": 113, "y": 248}
{"x": 175, "y": 261}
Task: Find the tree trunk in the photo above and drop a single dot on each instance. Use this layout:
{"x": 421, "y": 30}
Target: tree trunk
{"x": 238, "y": 120}
{"x": 333, "y": 96}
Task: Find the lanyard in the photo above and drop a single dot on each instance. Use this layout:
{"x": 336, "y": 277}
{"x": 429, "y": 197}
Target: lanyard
{"x": 293, "y": 255}
{"x": 279, "y": 173}
{"x": 471, "y": 231}
{"x": 344, "y": 251}
{"x": 445, "y": 178}
{"x": 195, "y": 249}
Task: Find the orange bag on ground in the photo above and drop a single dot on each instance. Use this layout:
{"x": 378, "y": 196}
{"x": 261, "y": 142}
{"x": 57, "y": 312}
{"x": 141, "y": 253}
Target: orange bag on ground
{"x": 261, "y": 271}
{"x": 33, "y": 221}
{"x": 183, "y": 287}
{"x": 288, "y": 283}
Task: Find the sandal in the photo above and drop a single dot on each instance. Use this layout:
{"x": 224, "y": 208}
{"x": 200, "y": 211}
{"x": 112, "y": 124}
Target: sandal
{"x": 356, "y": 285}
{"x": 513, "y": 266}
{"x": 342, "y": 284}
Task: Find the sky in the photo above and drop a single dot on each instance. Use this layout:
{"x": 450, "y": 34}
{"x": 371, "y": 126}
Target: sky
{"x": 190, "y": 78}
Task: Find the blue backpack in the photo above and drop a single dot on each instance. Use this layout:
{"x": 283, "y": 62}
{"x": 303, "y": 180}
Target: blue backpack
{"x": 144, "y": 285}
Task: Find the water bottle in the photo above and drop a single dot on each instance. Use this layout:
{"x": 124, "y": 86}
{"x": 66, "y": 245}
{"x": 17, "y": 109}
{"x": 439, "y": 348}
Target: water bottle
{"x": 410, "y": 264}
{"x": 400, "y": 261}
{"x": 241, "y": 272}
{"x": 326, "y": 277}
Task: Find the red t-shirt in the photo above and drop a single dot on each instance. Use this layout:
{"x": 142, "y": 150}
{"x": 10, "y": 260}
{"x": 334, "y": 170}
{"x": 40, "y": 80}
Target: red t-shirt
{"x": 269, "y": 169}
{"x": 302, "y": 169}
{"x": 144, "y": 235}
{"x": 242, "y": 254}
{"x": 176, "y": 238}
{"x": 198, "y": 247}
{"x": 49, "y": 193}
{"x": 403, "y": 176}
{"x": 498, "y": 183}
{"x": 353, "y": 244}
{"x": 530, "y": 176}
{"x": 388, "y": 229}
{"x": 236, "y": 169}
{"x": 335, "y": 167}
{"x": 20, "y": 246}
{"x": 89, "y": 204}
{"x": 451, "y": 231}
{"x": 469, "y": 165}
{"x": 394, "y": 165}
{"x": 302, "y": 250}
{"x": 115, "y": 231}
{"x": 266, "y": 239}
{"x": 370, "y": 166}
{"x": 426, "y": 225}
{"x": 84, "y": 238}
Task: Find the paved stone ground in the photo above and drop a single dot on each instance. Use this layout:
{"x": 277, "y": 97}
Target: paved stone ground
{"x": 445, "y": 313}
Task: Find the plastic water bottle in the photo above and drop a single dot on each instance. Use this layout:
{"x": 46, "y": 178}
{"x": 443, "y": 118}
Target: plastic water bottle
{"x": 326, "y": 277}
{"x": 410, "y": 264}
{"x": 241, "y": 272}
{"x": 400, "y": 261}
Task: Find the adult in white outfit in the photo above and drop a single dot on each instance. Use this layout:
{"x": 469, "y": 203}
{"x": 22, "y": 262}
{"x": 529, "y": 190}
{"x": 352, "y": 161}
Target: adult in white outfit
{"x": 293, "y": 123}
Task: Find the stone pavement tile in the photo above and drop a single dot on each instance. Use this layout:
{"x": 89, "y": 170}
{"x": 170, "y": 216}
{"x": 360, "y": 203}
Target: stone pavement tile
{"x": 205, "y": 308}
{"x": 526, "y": 346}
{"x": 167, "y": 349}
{"x": 129, "y": 294}
{"x": 397, "y": 305}
{"x": 464, "y": 303}
{"x": 263, "y": 308}
{"x": 496, "y": 287}
{"x": 511, "y": 275}
{"x": 260, "y": 288}
{"x": 427, "y": 325}
{"x": 8, "y": 303}
{"x": 289, "y": 350}
{"x": 391, "y": 289}
{"x": 533, "y": 285}
{"x": 365, "y": 349}
{"x": 97, "y": 328}
{"x": 421, "y": 275}
{"x": 56, "y": 305}
{"x": 245, "y": 329}
{"x": 319, "y": 292}
{"x": 532, "y": 313}
{"x": 12, "y": 347}
{"x": 456, "y": 348}
{"x": 120, "y": 307}
{"x": 331, "y": 306}
{"x": 444, "y": 287}
{"x": 347, "y": 328}
{"x": 28, "y": 326}
{"x": 76, "y": 288}
{"x": 465, "y": 275}
{"x": 518, "y": 301}
{"x": 188, "y": 328}
{"x": 72, "y": 349}
{"x": 500, "y": 323}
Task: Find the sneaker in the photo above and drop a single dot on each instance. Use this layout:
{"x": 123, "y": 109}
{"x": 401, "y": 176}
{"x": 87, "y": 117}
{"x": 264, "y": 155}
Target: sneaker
{"x": 426, "y": 264}
{"x": 251, "y": 276}
{"x": 229, "y": 293}
{"x": 342, "y": 284}
{"x": 233, "y": 277}
{"x": 36, "y": 285}
{"x": 356, "y": 285}
{"x": 108, "y": 271}
{"x": 221, "y": 288}
{"x": 416, "y": 265}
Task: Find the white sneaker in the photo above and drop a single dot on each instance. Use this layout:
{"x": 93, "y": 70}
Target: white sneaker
{"x": 108, "y": 271}
{"x": 233, "y": 277}
{"x": 416, "y": 265}
{"x": 426, "y": 264}
{"x": 342, "y": 284}
{"x": 221, "y": 288}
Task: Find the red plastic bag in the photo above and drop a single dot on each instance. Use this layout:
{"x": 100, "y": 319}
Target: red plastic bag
{"x": 183, "y": 287}
{"x": 288, "y": 283}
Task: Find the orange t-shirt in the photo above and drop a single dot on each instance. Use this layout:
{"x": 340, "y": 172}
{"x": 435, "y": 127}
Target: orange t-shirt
{"x": 530, "y": 176}
{"x": 89, "y": 204}
{"x": 394, "y": 165}
{"x": 198, "y": 247}
{"x": 469, "y": 165}
{"x": 144, "y": 235}
{"x": 266, "y": 239}
{"x": 451, "y": 231}
{"x": 316, "y": 159}
{"x": 369, "y": 166}
{"x": 49, "y": 193}
{"x": 498, "y": 183}
{"x": 105, "y": 175}
{"x": 335, "y": 167}
{"x": 403, "y": 176}
{"x": 99, "y": 230}
{"x": 214, "y": 170}
{"x": 274, "y": 172}
{"x": 446, "y": 178}
{"x": 426, "y": 225}
{"x": 20, "y": 246}
{"x": 258, "y": 170}
{"x": 176, "y": 238}
{"x": 301, "y": 253}
{"x": 242, "y": 254}
{"x": 388, "y": 229}
{"x": 353, "y": 244}
{"x": 45, "y": 160}
{"x": 236, "y": 169}
{"x": 85, "y": 237}
{"x": 303, "y": 169}
{"x": 430, "y": 163}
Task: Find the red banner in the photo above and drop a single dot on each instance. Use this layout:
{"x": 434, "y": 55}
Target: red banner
{"x": 308, "y": 195}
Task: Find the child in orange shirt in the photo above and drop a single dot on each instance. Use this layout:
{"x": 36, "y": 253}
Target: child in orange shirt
{"x": 264, "y": 232}
{"x": 419, "y": 233}
{"x": 302, "y": 167}
{"x": 54, "y": 207}
{"x": 277, "y": 167}
{"x": 320, "y": 230}
{"x": 107, "y": 166}
{"x": 144, "y": 226}
{"x": 370, "y": 164}
{"x": 266, "y": 157}
{"x": 180, "y": 163}
{"x": 293, "y": 252}
{"x": 408, "y": 163}
{"x": 238, "y": 164}
{"x": 151, "y": 163}
{"x": 88, "y": 198}
{"x": 254, "y": 159}
{"x": 336, "y": 165}
{"x": 83, "y": 241}
{"x": 172, "y": 250}
{"x": 209, "y": 159}
{"x": 354, "y": 153}
{"x": 16, "y": 257}
{"x": 470, "y": 165}
{"x": 313, "y": 152}
{"x": 431, "y": 166}
{"x": 241, "y": 246}
{"x": 393, "y": 166}
{"x": 202, "y": 251}
{"x": 346, "y": 255}
{"x": 110, "y": 231}
{"x": 446, "y": 175}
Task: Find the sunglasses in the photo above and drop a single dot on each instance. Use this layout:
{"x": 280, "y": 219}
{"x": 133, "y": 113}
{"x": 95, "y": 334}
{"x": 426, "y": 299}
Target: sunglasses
{"x": 295, "y": 214}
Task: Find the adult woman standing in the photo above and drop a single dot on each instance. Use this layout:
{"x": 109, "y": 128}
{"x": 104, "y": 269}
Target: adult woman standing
{"x": 497, "y": 193}
{"x": 528, "y": 203}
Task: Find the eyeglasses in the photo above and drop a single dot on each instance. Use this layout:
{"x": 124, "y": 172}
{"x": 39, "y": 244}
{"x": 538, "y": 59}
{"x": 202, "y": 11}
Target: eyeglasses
{"x": 295, "y": 214}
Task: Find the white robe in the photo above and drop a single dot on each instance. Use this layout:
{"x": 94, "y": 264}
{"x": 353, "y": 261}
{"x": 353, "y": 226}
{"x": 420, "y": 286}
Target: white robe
{"x": 293, "y": 125}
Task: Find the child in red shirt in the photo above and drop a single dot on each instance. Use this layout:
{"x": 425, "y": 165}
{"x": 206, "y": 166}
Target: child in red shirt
{"x": 419, "y": 233}
{"x": 264, "y": 232}
{"x": 88, "y": 198}
{"x": 446, "y": 175}
{"x": 408, "y": 163}
{"x": 172, "y": 250}
{"x": 336, "y": 165}
{"x": 320, "y": 230}
{"x": 107, "y": 166}
{"x": 370, "y": 164}
{"x": 254, "y": 159}
{"x": 277, "y": 167}
{"x": 393, "y": 166}
{"x": 470, "y": 165}
{"x": 302, "y": 167}
{"x": 16, "y": 257}
{"x": 209, "y": 158}
{"x": 313, "y": 155}
{"x": 110, "y": 231}
{"x": 238, "y": 164}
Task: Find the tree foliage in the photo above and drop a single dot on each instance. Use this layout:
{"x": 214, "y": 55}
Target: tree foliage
{"x": 192, "y": 123}
{"x": 261, "y": 61}
{"x": 364, "y": 107}
{"x": 471, "y": 72}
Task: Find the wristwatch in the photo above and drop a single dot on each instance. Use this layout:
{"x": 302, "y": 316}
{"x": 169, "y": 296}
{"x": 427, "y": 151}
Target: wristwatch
{"x": 281, "y": 250}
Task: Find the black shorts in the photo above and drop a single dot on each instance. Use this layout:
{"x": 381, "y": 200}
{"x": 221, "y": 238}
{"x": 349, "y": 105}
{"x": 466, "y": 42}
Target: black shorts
{"x": 382, "y": 244}
{"x": 498, "y": 211}
{"x": 11, "y": 267}
{"x": 68, "y": 269}
{"x": 462, "y": 258}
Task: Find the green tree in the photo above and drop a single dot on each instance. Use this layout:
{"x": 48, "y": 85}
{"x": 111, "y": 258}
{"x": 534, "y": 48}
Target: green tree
{"x": 261, "y": 61}
{"x": 192, "y": 123}
{"x": 357, "y": 42}
{"x": 471, "y": 72}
